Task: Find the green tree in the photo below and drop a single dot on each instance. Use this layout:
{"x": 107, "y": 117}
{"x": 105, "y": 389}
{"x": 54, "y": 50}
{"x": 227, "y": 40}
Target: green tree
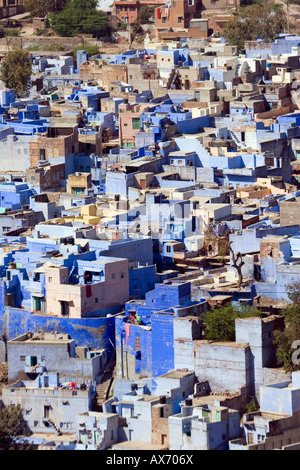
{"x": 220, "y": 321}
{"x": 16, "y": 71}
{"x": 80, "y": 17}
{"x": 286, "y": 340}
{"x": 12, "y": 429}
{"x": 145, "y": 13}
{"x": 254, "y": 21}
{"x": 42, "y": 8}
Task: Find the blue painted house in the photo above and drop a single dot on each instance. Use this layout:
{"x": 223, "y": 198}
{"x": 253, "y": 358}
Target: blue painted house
{"x": 144, "y": 333}
{"x": 15, "y": 195}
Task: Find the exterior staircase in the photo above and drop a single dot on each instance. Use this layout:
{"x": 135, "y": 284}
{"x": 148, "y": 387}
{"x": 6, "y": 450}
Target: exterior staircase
{"x": 103, "y": 388}
{"x": 52, "y": 423}
{"x": 57, "y": 430}
{"x": 172, "y": 79}
{"x": 236, "y": 140}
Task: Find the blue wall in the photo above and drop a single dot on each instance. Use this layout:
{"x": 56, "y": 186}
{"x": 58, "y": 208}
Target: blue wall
{"x": 162, "y": 344}
{"x": 92, "y": 332}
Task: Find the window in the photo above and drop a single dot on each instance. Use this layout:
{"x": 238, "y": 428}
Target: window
{"x": 96, "y": 300}
{"x": 168, "y": 249}
{"x": 163, "y": 21}
{"x": 22, "y": 358}
{"x": 136, "y": 123}
{"x": 137, "y": 344}
{"x": 42, "y": 154}
{"x": 49, "y": 279}
{"x": 180, "y": 19}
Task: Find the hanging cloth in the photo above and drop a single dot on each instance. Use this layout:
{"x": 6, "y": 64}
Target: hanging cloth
{"x": 158, "y": 13}
{"x": 88, "y": 290}
{"x": 127, "y": 331}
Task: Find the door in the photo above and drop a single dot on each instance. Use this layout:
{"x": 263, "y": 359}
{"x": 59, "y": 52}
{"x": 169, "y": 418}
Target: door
{"x": 37, "y": 303}
{"x": 64, "y": 308}
{"x": 46, "y": 411}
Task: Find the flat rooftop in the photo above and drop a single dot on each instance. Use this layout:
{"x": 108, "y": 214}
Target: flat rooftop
{"x": 30, "y": 337}
{"x": 134, "y": 445}
{"x": 177, "y": 374}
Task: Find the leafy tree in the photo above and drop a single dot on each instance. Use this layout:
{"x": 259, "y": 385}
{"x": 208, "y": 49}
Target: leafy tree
{"x": 16, "y": 71}
{"x": 288, "y": 340}
{"x": 42, "y": 8}
{"x": 220, "y": 321}
{"x": 145, "y": 13}
{"x": 12, "y": 428}
{"x": 254, "y": 21}
{"x": 80, "y": 17}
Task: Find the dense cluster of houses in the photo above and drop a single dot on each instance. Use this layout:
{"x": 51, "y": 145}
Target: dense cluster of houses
{"x": 129, "y": 185}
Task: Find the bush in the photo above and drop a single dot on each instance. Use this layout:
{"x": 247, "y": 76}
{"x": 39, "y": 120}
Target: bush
{"x": 41, "y": 32}
{"x": 13, "y": 32}
{"x": 90, "y": 50}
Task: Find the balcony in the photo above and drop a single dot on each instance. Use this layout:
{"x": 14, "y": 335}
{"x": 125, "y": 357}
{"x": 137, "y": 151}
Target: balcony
{"x": 38, "y": 369}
